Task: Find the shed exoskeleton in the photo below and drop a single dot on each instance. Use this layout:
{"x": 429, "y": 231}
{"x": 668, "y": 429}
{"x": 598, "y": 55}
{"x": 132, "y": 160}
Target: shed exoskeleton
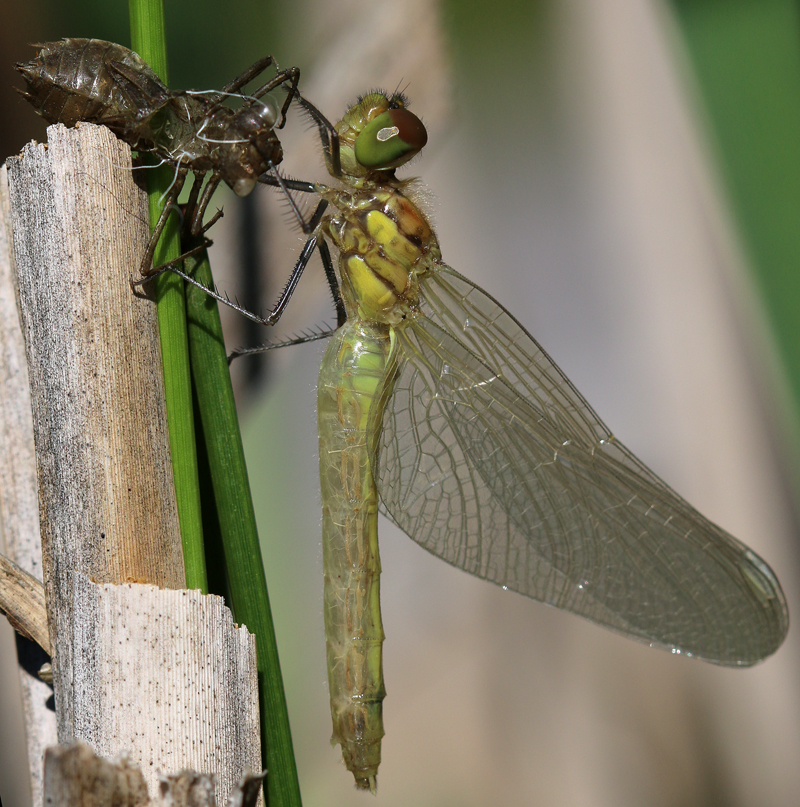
{"x": 104, "y": 83}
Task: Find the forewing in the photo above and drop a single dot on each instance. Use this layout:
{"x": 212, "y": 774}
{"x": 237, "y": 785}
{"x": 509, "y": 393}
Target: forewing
{"x": 489, "y": 458}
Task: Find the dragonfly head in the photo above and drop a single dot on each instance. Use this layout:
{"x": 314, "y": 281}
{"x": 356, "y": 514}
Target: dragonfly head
{"x": 378, "y": 134}
{"x": 257, "y": 118}
{"x": 253, "y": 144}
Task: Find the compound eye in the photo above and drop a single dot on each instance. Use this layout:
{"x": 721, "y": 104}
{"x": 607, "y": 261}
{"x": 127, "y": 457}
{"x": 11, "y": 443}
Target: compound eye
{"x": 267, "y": 111}
{"x": 258, "y": 118}
{"x": 242, "y": 187}
{"x": 390, "y": 139}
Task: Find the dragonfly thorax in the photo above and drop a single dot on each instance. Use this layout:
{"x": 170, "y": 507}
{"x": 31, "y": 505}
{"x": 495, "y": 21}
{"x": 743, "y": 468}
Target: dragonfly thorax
{"x": 384, "y": 243}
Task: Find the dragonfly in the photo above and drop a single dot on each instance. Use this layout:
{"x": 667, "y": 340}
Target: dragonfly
{"x": 439, "y": 409}
{"x": 101, "y": 82}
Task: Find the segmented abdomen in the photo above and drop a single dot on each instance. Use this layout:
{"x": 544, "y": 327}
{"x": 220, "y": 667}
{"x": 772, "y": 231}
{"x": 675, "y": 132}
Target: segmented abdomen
{"x": 349, "y": 390}
{"x": 95, "y": 81}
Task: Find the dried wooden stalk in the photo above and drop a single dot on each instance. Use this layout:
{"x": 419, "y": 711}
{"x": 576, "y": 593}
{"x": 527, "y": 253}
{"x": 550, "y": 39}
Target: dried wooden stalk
{"x": 19, "y": 498}
{"x": 161, "y": 674}
{"x": 179, "y": 681}
{"x": 107, "y": 501}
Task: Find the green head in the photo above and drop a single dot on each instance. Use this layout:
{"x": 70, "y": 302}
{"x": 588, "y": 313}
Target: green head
{"x": 378, "y": 134}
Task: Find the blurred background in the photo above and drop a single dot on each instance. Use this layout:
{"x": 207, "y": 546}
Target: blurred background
{"x": 625, "y": 176}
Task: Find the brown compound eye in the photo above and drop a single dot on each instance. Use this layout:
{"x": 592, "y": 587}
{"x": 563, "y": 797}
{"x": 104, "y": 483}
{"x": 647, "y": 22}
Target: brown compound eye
{"x": 390, "y": 139}
{"x": 262, "y": 116}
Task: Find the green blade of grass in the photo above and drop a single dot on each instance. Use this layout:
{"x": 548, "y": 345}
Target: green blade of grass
{"x": 240, "y": 548}
{"x": 149, "y": 41}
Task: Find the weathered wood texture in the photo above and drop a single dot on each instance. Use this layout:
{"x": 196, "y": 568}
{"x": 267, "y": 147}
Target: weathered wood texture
{"x": 160, "y": 674}
{"x": 19, "y": 501}
{"x": 178, "y": 680}
{"x": 78, "y": 778}
{"x": 22, "y": 601}
{"x": 107, "y": 500}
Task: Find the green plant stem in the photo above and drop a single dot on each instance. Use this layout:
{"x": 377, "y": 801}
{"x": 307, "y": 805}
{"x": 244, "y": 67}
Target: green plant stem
{"x": 247, "y": 583}
{"x": 149, "y": 41}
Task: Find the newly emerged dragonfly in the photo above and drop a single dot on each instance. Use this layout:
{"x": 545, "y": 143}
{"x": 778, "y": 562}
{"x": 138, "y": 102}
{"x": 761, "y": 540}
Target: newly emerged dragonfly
{"x": 104, "y": 83}
{"x": 438, "y": 408}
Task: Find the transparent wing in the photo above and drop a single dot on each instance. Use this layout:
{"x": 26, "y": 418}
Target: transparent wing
{"x": 489, "y": 458}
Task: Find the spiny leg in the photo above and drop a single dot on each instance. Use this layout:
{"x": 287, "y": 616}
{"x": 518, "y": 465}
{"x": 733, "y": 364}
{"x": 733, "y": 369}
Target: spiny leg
{"x": 333, "y": 282}
{"x": 293, "y": 184}
{"x": 312, "y": 336}
{"x": 169, "y": 204}
{"x": 279, "y": 308}
{"x": 327, "y": 135}
{"x": 325, "y": 254}
{"x": 277, "y": 180}
{"x": 283, "y": 300}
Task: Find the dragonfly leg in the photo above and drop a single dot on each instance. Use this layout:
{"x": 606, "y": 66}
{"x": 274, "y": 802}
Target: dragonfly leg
{"x": 192, "y": 222}
{"x": 211, "y": 222}
{"x": 294, "y": 279}
{"x": 316, "y": 217}
{"x": 291, "y": 75}
{"x": 243, "y": 78}
{"x": 309, "y": 226}
{"x": 191, "y": 202}
{"x": 333, "y": 282}
{"x": 172, "y": 267}
{"x": 313, "y": 336}
{"x": 293, "y": 184}
{"x": 205, "y": 198}
{"x": 169, "y": 206}
{"x": 280, "y": 306}
{"x": 327, "y": 135}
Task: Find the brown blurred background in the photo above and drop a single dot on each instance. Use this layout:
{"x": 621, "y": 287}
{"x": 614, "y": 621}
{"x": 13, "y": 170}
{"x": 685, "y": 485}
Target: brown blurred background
{"x": 624, "y": 176}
